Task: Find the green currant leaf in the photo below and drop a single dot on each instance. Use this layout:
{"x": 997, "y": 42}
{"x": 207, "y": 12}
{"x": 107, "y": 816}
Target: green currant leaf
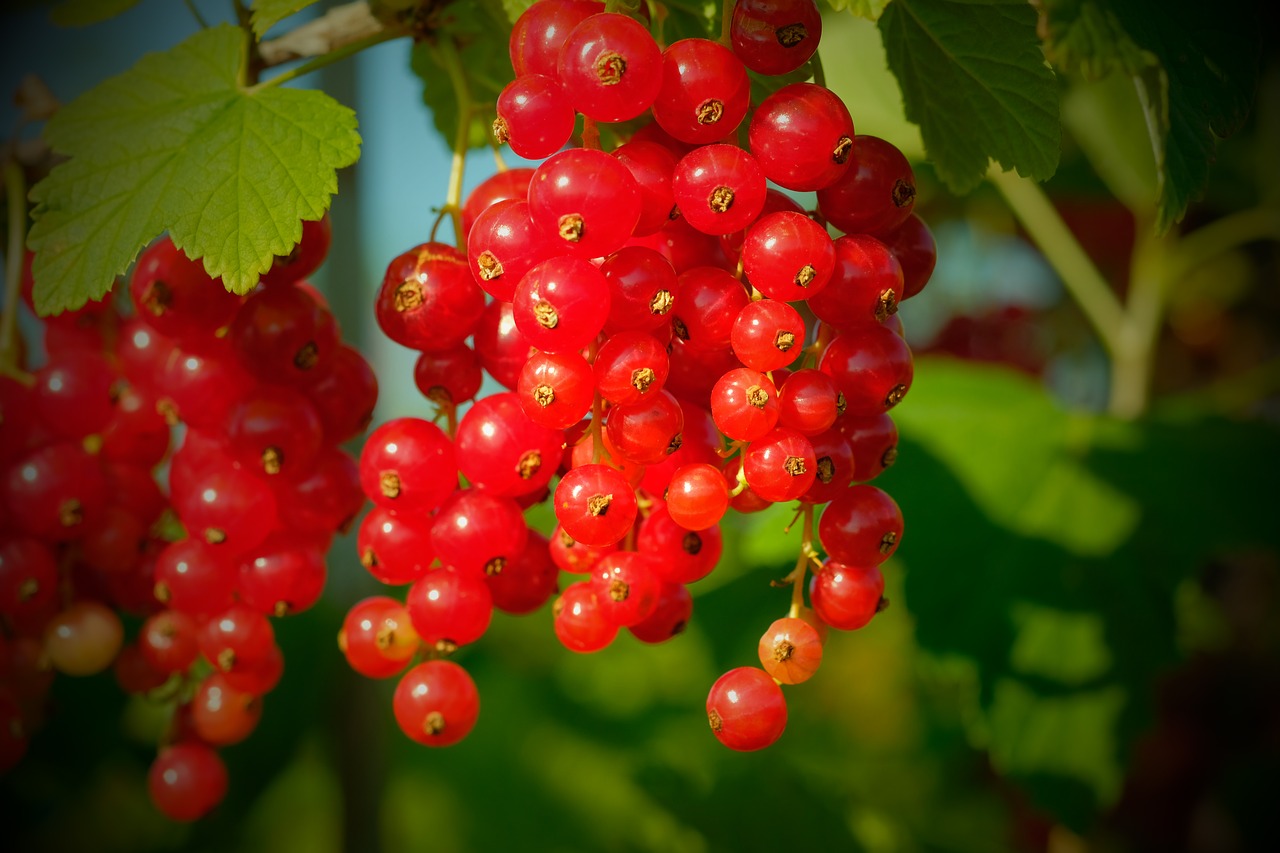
{"x": 515, "y": 8}
{"x": 471, "y": 27}
{"x": 1075, "y": 538}
{"x": 1195, "y": 82}
{"x": 268, "y": 13}
{"x": 178, "y": 143}
{"x": 82, "y": 13}
{"x": 974, "y": 79}
{"x": 869, "y": 9}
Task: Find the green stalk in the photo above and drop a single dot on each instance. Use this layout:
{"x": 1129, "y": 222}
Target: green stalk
{"x": 15, "y": 185}
{"x": 336, "y": 55}
{"x": 446, "y": 53}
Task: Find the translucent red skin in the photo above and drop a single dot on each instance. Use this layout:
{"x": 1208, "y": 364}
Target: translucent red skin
{"x": 244, "y": 632}
{"x": 748, "y": 708}
{"x": 704, "y": 169}
{"x": 18, "y": 417}
{"x": 28, "y": 582}
{"x": 709, "y": 302}
{"x": 834, "y": 447}
{"x": 197, "y": 579}
{"x": 794, "y": 133}
{"x": 499, "y": 344}
{"x": 202, "y": 386}
{"x": 577, "y": 487}
{"x": 442, "y": 687}
{"x": 669, "y": 617}
{"x": 873, "y": 442}
{"x": 222, "y": 714}
{"x": 187, "y": 780}
{"x": 420, "y": 455}
{"x": 141, "y": 352}
{"x": 576, "y": 290}
{"x": 695, "y": 372}
{"x": 451, "y": 302}
{"x": 455, "y": 372}
{"x": 684, "y": 246}
{"x": 513, "y": 183}
{"x": 629, "y": 95}
{"x": 636, "y": 275}
{"x": 395, "y": 548}
{"x": 733, "y": 414}
{"x": 652, "y": 165}
{"x": 450, "y": 605}
{"x": 194, "y": 304}
{"x": 474, "y": 528}
{"x": 637, "y": 572}
{"x": 283, "y": 335}
{"x": 283, "y": 575}
{"x": 571, "y": 555}
{"x": 805, "y": 654}
{"x": 861, "y": 527}
{"x": 755, "y": 334}
{"x": 528, "y": 582}
{"x": 670, "y": 543}
{"x": 775, "y": 200}
{"x": 778, "y": 246}
{"x": 694, "y": 71}
{"x": 808, "y": 402}
{"x": 592, "y": 185}
{"x": 846, "y": 597}
{"x": 644, "y": 431}
{"x": 763, "y": 465}
{"x": 73, "y": 393}
{"x": 697, "y": 496}
{"x": 578, "y": 622}
{"x": 278, "y": 418}
{"x": 500, "y": 448}
{"x": 538, "y": 117}
{"x": 571, "y": 380}
{"x": 913, "y": 245}
{"x": 754, "y": 34}
{"x": 867, "y": 364}
{"x": 360, "y": 627}
{"x": 506, "y": 230}
{"x": 344, "y": 395}
{"x": 864, "y": 270}
{"x": 538, "y": 33}
{"x": 618, "y": 359}
{"x": 864, "y": 200}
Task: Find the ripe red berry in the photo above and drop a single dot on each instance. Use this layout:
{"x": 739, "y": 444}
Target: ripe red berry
{"x": 802, "y": 137}
{"x": 611, "y": 67}
{"x": 775, "y": 36}
{"x": 187, "y": 780}
{"x": 877, "y": 193}
{"x": 428, "y": 299}
{"x": 704, "y": 94}
{"x": 436, "y": 703}
{"x": 408, "y": 464}
{"x": 861, "y": 527}
{"x": 578, "y": 621}
{"x": 746, "y": 709}
{"x": 595, "y": 505}
{"x": 790, "y": 650}
{"x": 718, "y": 188}
{"x": 846, "y": 596}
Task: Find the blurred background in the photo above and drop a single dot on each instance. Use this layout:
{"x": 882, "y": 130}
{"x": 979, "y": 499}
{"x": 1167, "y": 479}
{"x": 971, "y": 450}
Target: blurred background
{"x": 1083, "y": 647}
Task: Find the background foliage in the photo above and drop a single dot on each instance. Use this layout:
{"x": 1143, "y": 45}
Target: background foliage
{"x": 1081, "y": 650}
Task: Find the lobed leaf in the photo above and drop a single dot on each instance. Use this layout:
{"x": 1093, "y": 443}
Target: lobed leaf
{"x": 1195, "y": 77}
{"x": 177, "y": 143}
{"x": 268, "y": 13}
{"x": 974, "y": 79}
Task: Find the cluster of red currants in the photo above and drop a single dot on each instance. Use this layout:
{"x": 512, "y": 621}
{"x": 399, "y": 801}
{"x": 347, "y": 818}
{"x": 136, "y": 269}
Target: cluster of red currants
{"x": 645, "y": 305}
{"x": 101, "y": 514}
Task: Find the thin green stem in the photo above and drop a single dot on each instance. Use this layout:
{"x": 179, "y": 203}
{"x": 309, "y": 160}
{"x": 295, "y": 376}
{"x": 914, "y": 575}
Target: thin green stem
{"x": 195, "y": 13}
{"x": 819, "y": 73}
{"x": 1133, "y": 360}
{"x": 1206, "y": 243}
{"x": 726, "y": 22}
{"x": 1065, "y": 254}
{"x": 447, "y": 55}
{"x": 324, "y": 60}
{"x": 15, "y": 190}
{"x": 802, "y": 562}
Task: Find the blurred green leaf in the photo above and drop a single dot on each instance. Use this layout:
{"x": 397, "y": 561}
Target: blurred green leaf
{"x": 1106, "y": 119}
{"x": 1196, "y": 76}
{"x": 869, "y": 9}
{"x": 974, "y": 79}
{"x": 268, "y": 13}
{"x": 82, "y": 13}
{"x": 1048, "y": 551}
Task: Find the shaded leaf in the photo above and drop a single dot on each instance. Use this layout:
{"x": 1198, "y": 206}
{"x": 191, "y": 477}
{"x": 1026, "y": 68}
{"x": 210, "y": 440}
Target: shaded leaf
{"x": 268, "y": 13}
{"x": 82, "y": 13}
{"x": 177, "y": 143}
{"x": 974, "y": 79}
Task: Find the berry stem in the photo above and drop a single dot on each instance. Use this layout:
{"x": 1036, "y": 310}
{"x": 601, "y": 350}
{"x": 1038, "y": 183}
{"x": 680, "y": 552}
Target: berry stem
{"x": 446, "y": 53}
{"x": 819, "y": 73}
{"x": 796, "y": 578}
{"x": 15, "y": 185}
{"x": 726, "y": 23}
{"x": 590, "y": 134}
{"x": 1065, "y": 254}
{"x": 195, "y": 13}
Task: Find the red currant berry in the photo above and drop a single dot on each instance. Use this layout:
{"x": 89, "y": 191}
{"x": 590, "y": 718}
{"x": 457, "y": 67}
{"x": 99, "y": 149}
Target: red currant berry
{"x": 746, "y": 709}
{"x": 861, "y": 527}
{"x": 846, "y": 597}
{"x": 595, "y": 505}
{"x": 436, "y": 703}
{"x": 802, "y": 137}
{"x": 790, "y": 650}
{"x": 187, "y": 780}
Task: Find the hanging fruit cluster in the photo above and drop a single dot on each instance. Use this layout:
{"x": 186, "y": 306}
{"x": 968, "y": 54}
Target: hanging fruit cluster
{"x": 175, "y": 460}
{"x": 677, "y": 337}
